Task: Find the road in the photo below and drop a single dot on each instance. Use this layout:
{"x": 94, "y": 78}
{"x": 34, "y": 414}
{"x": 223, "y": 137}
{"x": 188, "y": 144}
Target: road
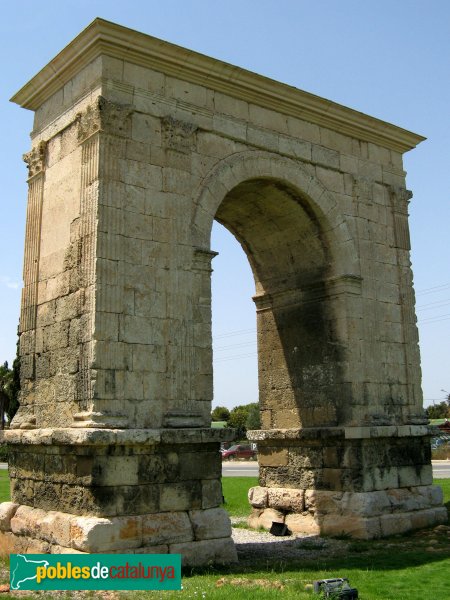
{"x": 441, "y": 469}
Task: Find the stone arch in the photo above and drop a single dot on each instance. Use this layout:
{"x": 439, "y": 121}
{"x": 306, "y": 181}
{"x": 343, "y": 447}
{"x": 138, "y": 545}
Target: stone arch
{"x": 115, "y": 322}
{"x": 250, "y": 165}
{"x": 303, "y": 261}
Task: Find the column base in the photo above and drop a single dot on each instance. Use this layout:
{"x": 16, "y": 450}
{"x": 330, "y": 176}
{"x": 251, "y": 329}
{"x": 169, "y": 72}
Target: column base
{"x": 99, "y": 490}
{"x": 361, "y": 515}
{"x": 201, "y": 536}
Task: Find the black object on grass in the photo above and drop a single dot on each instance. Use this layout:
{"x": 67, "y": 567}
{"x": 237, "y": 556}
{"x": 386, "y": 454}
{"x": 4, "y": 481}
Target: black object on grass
{"x": 335, "y": 588}
{"x": 279, "y": 529}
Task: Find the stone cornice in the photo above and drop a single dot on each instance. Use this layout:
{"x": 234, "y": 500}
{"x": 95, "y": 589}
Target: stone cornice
{"x": 104, "y": 38}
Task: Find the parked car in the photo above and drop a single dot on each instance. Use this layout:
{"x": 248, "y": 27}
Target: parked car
{"x": 239, "y": 451}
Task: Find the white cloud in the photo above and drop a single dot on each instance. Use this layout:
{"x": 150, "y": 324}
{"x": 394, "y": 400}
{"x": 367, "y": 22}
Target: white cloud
{"x": 10, "y": 283}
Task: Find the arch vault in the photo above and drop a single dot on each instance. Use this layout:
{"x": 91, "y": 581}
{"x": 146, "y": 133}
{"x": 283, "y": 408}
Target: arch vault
{"x": 138, "y": 145}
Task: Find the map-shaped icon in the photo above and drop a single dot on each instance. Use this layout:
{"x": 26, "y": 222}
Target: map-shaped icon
{"x": 25, "y": 570}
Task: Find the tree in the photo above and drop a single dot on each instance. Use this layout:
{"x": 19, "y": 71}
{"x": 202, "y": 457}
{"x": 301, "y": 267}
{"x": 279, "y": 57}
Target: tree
{"x": 253, "y": 418}
{"x": 439, "y": 411}
{"x": 5, "y": 391}
{"x": 15, "y": 386}
{"x": 9, "y": 389}
{"x": 220, "y": 413}
{"x": 239, "y": 418}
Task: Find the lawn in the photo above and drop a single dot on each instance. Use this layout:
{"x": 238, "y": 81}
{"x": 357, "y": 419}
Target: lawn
{"x": 409, "y": 567}
{"x": 4, "y": 485}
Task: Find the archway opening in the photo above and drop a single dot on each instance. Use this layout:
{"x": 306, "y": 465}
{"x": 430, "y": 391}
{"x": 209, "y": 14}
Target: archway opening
{"x": 299, "y": 357}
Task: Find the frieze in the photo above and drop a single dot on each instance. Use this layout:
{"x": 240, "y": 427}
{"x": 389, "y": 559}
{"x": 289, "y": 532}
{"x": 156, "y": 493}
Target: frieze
{"x": 105, "y": 116}
{"x": 35, "y": 159}
{"x": 178, "y": 135}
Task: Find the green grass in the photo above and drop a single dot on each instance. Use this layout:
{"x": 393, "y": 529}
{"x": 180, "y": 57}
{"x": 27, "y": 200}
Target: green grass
{"x": 235, "y": 491}
{"x": 4, "y": 486}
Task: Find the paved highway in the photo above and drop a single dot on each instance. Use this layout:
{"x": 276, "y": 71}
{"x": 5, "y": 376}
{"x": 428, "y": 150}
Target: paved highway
{"x": 441, "y": 469}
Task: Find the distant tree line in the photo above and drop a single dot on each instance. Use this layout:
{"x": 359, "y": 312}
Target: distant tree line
{"x": 9, "y": 390}
{"x": 241, "y": 418}
{"x": 439, "y": 411}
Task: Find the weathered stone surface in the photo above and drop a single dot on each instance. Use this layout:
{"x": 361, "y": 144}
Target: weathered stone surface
{"x": 208, "y": 524}
{"x": 211, "y": 493}
{"x": 129, "y": 168}
{"x": 95, "y": 534}
{"x": 367, "y": 504}
{"x": 286, "y": 499}
{"x": 353, "y": 526}
{"x": 302, "y": 524}
{"x": 206, "y": 552}
{"x": 322, "y": 502}
{"x": 7, "y": 512}
{"x": 163, "y": 528}
{"x": 26, "y": 521}
{"x": 395, "y": 524}
{"x": 257, "y": 496}
{"x": 265, "y": 518}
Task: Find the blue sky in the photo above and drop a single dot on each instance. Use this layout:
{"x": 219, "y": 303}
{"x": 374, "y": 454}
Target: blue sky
{"x": 387, "y": 59}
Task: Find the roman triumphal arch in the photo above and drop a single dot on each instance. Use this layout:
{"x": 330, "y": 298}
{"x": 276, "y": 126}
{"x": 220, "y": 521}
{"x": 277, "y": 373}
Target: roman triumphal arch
{"x": 137, "y": 146}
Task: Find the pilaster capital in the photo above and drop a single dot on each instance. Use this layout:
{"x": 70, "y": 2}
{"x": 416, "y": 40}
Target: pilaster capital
{"x": 178, "y": 135}
{"x": 400, "y": 198}
{"x": 104, "y": 115}
{"x": 35, "y": 159}
{"x": 202, "y": 259}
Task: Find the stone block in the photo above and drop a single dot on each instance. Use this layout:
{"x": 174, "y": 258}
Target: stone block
{"x": 200, "y": 465}
{"x": 395, "y": 524}
{"x": 166, "y": 528}
{"x": 285, "y": 499}
{"x": 116, "y": 470}
{"x": 381, "y": 478}
{"x": 257, "y": 496}
{"x": 27, "y": 521}
{"x": 206, "y": 552}
{"x": 211, "y": 493}
{"x": 162, "y": 549}
{"x": 366, "y": 504}
{"x": 95, "y": 534}
{"x": 409, "y": 476}
{"x": 296, "y": 148}
{"x": 332, "y": 180}
{"x": 421, "y": 519}
{"x": 55, "y": 528}
{"x": 230, "y": 106}
{"x": 265, "y": 518}
{"x": 325, "y": 156}
{"x": 180, "y": 496}
{"x": 305, "y": 524}
{"x": 273, "y": 457}
{"x": 209, "y": 524}
{"x": 350, "y": 525}
{"x": 7, "y": 512}
{"x": 323, "y": 502}
{"x": 433, "y": 494}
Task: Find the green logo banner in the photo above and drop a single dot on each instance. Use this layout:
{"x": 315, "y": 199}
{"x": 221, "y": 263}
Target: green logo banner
{"x": 95, "y": 571}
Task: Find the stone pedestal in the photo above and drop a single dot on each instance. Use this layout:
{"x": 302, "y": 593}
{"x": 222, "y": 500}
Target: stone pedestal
{"x": 365, "y": 482}
{"x": 105, "y": 490}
